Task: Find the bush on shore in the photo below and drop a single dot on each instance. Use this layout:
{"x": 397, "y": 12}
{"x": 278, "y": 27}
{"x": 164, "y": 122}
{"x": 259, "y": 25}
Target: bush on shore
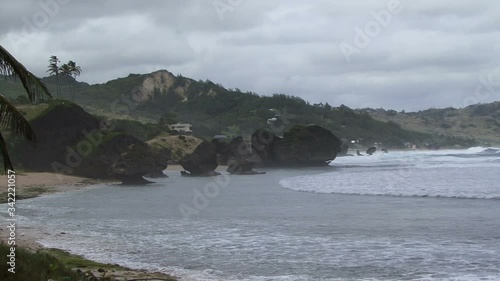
{"x": 32, "y": 266}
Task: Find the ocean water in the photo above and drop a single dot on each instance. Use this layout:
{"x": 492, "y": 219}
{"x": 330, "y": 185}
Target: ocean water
{"x": 399, "y": 216}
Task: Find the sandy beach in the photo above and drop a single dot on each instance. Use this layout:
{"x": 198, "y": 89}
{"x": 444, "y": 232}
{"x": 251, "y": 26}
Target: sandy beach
{"x": 30, "y": 185}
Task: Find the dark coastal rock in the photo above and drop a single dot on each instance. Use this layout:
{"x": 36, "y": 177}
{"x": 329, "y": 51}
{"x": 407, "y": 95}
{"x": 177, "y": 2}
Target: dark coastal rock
{"x": 240, "y": 160}
{"x": 209, "y": 174}
{"x": 238, "y": 148}
{"x": 71, "y": 141}
{"x": 344, "y": 148}
{"x": 371, "y": 150}
{"x": 203, "y": 161}
{"x": 163, "y": 154}
{"x": 223, "y": 151}
{"x": 262, "y": 146}
{"x": 123, "y": 157}
{"x": 300, "y": 146}
{"x": 242, "y": 167}
{"x": 306, "y": 146}
{"x": 60, "y": 127}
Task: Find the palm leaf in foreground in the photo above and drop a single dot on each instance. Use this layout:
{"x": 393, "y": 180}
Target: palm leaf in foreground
{"x": 7, "y": 164}
{"x": 9, "y": 66}
{"x": 13, "y": 120}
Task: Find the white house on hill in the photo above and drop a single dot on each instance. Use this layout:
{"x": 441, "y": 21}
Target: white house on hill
{"x": 182, "y": 128}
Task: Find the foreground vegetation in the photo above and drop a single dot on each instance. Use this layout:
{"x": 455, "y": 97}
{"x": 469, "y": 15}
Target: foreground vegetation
{"x": 11, "y": 119}
{"x": 35, "y": 267}
{"x": 59, "y": 265}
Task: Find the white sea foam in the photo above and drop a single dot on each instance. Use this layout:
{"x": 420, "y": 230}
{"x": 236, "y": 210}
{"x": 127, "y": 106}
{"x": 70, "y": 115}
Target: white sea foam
{"x": 234, "y": 241}
{"x": 413, "y": 173}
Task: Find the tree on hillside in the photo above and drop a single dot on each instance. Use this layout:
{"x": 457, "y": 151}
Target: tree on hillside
{"x": 168, "y": 118}
{"x": 64, "y": 70}
{"x": 76, "y": 70}
{"x": 11, "y": 118}
{"x": 53, "y": 69}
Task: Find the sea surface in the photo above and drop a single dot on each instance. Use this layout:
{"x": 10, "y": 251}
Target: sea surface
{"x": 415, "y": 215}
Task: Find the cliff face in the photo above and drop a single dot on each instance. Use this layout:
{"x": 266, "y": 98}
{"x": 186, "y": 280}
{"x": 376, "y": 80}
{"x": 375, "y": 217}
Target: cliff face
{"x": 71, "y": 141}
{"x": 162, "y": 81}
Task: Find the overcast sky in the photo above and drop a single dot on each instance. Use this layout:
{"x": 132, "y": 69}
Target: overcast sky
{"x": 402, "y": 54}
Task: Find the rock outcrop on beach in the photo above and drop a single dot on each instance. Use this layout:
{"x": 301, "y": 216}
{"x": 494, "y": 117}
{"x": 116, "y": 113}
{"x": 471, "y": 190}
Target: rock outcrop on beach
{"x": 344, "y": 148}
{"x": 241, "y": 161}
{"x": 309, "y": 145}
{"x": 57, "y": 129}
{"x": 202, "y": 162}
{"x": 71, "y": 141}
{"x": 125, "y": 158}
{"x": 262, "y": 146}
{"x": 371, "y": 150}
{"x": 178, "y": 145}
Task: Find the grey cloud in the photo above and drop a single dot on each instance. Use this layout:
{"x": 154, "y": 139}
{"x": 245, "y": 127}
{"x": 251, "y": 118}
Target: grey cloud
{"x": 430, "y": 54}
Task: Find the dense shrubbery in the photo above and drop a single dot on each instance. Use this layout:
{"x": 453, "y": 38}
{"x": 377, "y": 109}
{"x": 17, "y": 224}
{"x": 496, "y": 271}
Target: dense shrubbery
{"x": 484, "y": 109}
{"x": 34, "y": 267}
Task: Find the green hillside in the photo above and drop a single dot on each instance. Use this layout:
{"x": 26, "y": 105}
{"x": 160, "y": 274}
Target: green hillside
{"x": 481, "y": 121}
{"x": 212, "y": 109}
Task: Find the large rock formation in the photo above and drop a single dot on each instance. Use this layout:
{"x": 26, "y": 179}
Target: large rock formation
{"x": 58, "y": 129}
{"x": 262, "y": 146}
{"x": 344, "y": 148}
{"x": 178, "y": 145}
{"x": 240, "y": 158}
{"x": 371, "y": 150}
{"x": 300, "y": 146}
{"x": 125, "y": 158}
{"x": 203, "y": 161}
{"x": 71, "y": 141}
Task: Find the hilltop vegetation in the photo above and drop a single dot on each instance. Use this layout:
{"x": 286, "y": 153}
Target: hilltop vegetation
{"x": 160, "y": 98}
{"x": 480, "y": 120}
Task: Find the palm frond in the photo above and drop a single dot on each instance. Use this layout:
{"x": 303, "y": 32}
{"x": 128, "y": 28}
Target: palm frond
{"x": 13, "y": 120}
{"x": 9, "y": 66}
{"x": 7, "y": 163}
{"x": 65, "y": 69}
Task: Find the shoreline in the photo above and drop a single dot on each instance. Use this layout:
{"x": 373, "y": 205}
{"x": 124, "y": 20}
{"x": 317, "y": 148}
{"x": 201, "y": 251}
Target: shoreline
{"x": 30, "y": 185}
